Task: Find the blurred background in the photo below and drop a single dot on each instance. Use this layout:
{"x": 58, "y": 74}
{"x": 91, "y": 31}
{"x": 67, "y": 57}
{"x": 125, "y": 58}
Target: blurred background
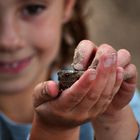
{"x": 117, "y": 22}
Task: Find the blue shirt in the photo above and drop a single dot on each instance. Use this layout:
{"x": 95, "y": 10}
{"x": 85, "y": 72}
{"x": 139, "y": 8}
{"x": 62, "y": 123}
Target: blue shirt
{"x": 135, "y": 104}
{"x": 10, "y": 130}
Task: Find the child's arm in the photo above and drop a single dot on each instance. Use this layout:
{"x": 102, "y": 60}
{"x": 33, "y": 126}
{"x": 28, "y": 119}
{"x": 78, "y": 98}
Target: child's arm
{"x": 42, "y": 132}
{"x": 121, "y": 126}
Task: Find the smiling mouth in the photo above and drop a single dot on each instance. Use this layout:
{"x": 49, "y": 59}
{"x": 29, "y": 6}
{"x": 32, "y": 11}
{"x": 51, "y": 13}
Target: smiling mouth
{"x": 15, "y": 67}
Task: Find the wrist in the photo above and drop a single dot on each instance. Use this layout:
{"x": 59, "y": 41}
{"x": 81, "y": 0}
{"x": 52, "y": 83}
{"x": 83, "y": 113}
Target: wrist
{"x": 43, "y": 131}
{"x": 116, "y": 126}
{"x": 117, "y": 116}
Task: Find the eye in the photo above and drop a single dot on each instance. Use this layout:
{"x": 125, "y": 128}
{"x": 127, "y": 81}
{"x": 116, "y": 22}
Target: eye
{"x": 33, "y": 9}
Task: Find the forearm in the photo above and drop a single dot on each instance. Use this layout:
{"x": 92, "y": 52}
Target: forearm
{"x": 123, "y": 126}
{"x": 40, "y": 133}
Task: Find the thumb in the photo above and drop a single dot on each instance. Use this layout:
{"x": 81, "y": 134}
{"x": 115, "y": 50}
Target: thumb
{"x": 44, "y": 92}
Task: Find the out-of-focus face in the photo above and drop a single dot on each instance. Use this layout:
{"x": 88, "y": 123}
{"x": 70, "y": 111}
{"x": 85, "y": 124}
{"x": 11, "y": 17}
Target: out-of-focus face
{"x": 30, "y": 36}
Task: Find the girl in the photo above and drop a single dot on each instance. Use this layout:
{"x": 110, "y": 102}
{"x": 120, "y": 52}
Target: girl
{"x": 31, "y": 35}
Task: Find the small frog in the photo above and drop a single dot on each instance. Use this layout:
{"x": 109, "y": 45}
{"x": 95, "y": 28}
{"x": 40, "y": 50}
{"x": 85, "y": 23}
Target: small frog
{"x": 67, "y": 78}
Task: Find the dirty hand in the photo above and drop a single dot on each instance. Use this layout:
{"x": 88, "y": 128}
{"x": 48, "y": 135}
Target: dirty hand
{"x": 119, "y": 87}
{"x": 85, "y": 99}
{"x": 114, "y": 90}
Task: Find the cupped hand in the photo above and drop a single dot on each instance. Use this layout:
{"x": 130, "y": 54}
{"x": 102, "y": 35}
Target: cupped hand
{"x": 101, "y": 89}
{"x": 86, "y": 98}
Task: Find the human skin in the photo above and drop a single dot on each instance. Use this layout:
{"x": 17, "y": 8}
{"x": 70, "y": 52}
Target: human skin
{"x": 24, "y": 34}
{"x": 123, "y": 17}
{"x": 117, "y": 109}
{"x": 100, "y": 96}
{"x": 28, "y": 33}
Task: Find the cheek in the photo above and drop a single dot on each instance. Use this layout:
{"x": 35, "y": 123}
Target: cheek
{"x": 46, "y": 41}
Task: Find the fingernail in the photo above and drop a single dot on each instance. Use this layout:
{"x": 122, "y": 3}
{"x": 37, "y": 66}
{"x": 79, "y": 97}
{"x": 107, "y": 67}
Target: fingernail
{"x": 108, "y": 61}
{"x": 78, "y": 66}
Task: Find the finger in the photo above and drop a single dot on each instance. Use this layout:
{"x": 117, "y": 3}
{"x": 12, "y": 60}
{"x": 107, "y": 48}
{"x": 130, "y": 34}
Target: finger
{"x": 96, "y": 86}
{"x": 130, "y": 73}
{"x": 84, "y": 53}
{"x": 129, "y": 84}
{"x": 74, "y": 95}
{"x": 106, "y": 95}
{"x": 44, "y": 92}
{"x": 102, "y": 49}
{"x": 127, "y": 88}
{"x": 124, "y": 58}
{"x": 119, "y": 80}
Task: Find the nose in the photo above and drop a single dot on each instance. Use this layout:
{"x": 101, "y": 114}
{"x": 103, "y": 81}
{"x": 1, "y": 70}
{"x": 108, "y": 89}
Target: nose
{"x": 9, "y": 35}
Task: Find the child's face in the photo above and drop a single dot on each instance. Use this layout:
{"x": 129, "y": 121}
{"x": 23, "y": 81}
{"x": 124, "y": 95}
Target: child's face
{"x": 30, "y": 35}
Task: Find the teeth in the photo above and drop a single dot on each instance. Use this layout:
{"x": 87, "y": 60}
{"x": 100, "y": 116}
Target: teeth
{"x": 14, "y": 65}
